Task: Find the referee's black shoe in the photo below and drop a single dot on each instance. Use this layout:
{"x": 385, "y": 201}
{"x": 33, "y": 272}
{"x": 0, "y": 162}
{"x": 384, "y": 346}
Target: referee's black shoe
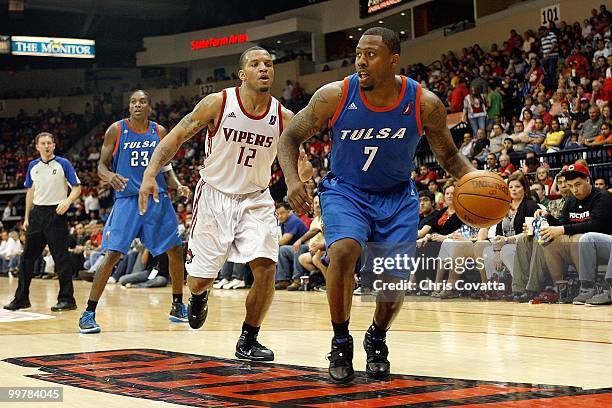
{"x": 197, "y": 310}
{"x": 63, "y": 306}
{"x": 341, "y": 360}
{"x": 17, "y": 304}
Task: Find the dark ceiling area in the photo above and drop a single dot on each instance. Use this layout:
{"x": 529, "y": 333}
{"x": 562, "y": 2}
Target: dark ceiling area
{"x": 118, "y": 26}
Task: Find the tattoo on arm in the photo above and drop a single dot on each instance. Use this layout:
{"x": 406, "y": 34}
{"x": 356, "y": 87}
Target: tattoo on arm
{"x": 305, "y": 124}
{"x": 162, "y": 156}
{"x": 440, "y": 139}
{"x": 191, "y": 125}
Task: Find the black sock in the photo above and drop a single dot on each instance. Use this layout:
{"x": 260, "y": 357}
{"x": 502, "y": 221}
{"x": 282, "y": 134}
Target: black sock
{"x": 177, "y": 298}
{"x": 250, "y": 332}
{"x": 91, "y": 306}
{"x": 341, "y": 329}
{"x": 201, "y": 296}
{"x": 586, "y": 284}
{"x": 377, "y": 332}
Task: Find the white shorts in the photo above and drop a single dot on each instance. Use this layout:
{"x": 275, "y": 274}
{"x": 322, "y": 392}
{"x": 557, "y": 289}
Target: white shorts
{"x": 234, "y": 227}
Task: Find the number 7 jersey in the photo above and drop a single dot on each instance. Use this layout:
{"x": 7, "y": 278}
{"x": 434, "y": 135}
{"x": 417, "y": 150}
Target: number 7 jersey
{"x": 373, "y": 147}
{"x": 241, "y": 149}
{"x": 131, "y": 156}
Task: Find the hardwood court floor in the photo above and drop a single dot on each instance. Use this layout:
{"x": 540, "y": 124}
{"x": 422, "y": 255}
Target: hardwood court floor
{"x": 488, "y": 341}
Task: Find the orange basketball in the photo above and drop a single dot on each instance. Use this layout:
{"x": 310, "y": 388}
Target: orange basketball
{"x": 481, "y": 199}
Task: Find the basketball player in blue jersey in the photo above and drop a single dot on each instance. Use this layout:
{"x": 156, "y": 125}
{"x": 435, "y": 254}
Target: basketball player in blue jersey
{"x": 377, "y": 119}
{"x": 126, "y": 152}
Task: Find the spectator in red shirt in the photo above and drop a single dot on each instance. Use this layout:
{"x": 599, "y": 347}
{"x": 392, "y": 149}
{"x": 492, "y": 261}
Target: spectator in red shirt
{"x": 505, "y": 167}
{"x": 457, "y": 96}
{"x": 544, "y": 114}
{"x": 515, "y": 41}
{"x": 536, "y": 74}
{"x": 425, "y": 176}
{"x": 578, "y": 63}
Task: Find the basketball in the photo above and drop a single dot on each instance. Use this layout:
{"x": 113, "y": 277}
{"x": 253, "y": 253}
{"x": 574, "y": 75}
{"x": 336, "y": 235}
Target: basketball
{"x": 481, "y": 199}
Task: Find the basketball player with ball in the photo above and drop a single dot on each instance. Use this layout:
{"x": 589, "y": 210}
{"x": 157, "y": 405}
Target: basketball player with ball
{"x": 376, "y": 120}
{"x": 233, "y": 211}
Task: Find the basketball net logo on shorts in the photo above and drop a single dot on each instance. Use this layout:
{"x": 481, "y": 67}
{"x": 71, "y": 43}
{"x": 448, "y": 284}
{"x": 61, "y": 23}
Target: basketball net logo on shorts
{"x": 189, "y": 257}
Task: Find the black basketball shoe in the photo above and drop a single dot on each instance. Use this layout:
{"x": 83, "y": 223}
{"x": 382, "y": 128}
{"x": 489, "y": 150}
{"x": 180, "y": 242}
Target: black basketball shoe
{"x": 341, "y": 360}
{"x": 377, "y": 365}
{"x": 250, "y": 349}
{"x": 197, "y": 310}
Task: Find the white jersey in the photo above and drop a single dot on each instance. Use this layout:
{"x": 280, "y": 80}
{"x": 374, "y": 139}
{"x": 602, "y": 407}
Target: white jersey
{"x": 242, "y": 148}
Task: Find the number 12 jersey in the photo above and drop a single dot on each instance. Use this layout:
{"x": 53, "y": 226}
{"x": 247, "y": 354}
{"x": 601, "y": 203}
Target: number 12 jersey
{"x": 241, "y": 149}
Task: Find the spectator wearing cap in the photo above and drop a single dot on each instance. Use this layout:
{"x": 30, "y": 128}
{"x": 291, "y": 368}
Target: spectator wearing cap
{"x": 586, "y": 211}
{"x": 581, "y": 114}
{"x": 48, "y": 180}
{"x": 590, "y": 128}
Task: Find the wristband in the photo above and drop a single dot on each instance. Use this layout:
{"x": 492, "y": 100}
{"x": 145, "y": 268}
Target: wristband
{"x": 166, "y": 168}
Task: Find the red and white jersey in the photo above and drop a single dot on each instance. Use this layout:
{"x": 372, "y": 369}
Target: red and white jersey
{"x": 241, "y": 149}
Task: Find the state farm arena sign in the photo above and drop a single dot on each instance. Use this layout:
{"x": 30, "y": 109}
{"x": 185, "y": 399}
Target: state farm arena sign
{"x": 218, "y": 41}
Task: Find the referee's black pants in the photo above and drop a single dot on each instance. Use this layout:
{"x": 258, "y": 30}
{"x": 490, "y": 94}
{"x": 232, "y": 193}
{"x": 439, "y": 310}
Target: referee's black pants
{"x": 46, "y": 227}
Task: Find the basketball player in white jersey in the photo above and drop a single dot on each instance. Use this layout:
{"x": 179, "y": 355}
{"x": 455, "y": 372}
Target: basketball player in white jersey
{"x": 233, "y": 213}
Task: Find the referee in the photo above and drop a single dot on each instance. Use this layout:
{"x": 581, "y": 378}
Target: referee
{"x": 47, "y": 181}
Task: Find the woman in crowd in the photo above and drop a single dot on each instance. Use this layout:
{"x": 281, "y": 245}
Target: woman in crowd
{"x": 502, "y": 249}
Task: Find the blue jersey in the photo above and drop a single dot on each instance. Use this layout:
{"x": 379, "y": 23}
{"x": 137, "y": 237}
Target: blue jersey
{"x": 132, "y": 153}
{"x": 373, "y": 147}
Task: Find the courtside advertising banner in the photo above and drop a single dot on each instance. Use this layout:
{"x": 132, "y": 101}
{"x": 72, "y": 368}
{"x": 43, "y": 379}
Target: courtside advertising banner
{"x": 53, "y": 47}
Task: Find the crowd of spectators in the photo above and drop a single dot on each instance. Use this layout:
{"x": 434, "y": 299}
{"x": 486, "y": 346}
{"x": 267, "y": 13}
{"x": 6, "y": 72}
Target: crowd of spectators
{"x": 537, "y": 94}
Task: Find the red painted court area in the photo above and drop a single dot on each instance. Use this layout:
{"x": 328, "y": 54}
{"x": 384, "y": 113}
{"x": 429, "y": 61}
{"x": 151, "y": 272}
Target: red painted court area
{"x": 194, "y": 380}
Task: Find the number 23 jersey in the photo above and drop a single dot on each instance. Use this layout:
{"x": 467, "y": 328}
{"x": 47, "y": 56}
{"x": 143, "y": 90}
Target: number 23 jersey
{"x": 131, "y": 156}
{"x": 241, "y": 149}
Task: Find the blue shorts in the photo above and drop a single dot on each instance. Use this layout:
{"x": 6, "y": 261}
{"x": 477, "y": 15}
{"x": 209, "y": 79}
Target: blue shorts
{"x": 384, "y": 223}
{"x": 157, "y": 228}
{"x": 385, "y": 217}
